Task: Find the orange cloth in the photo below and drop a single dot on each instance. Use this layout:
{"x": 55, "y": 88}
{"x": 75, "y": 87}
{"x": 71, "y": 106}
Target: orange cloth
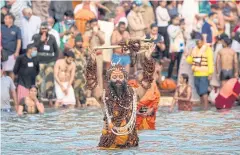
{"x": 133, "y": 83}
{"x": 119, "y": 140}
{"x": 149, "y": 100}
{"x": 81, "y": 17}
{"x": 75, "y": 3}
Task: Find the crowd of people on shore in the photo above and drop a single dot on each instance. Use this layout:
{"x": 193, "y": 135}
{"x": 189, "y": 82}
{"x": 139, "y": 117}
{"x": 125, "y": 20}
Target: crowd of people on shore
{"x": 46, "y": 45}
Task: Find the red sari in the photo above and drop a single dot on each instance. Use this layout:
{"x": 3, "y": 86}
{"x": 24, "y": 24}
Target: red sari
{"x": 228, "y": 94}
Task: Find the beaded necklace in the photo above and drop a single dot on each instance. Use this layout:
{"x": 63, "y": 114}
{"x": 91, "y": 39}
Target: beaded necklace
{"x": 128, "y": 128}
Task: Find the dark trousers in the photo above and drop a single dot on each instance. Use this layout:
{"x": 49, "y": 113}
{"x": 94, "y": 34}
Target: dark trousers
{"x": 174, "y": 57}
{"x": 163, "y": 31}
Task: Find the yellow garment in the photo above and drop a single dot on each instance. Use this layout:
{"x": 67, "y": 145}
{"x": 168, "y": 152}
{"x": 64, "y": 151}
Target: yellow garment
{"x": 205, "y": 52}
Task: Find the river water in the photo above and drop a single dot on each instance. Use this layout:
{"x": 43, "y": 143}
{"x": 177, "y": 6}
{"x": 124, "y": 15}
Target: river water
{"x": 77, "y": 131}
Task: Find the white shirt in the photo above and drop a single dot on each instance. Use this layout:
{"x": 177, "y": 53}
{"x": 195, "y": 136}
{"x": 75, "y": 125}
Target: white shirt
{"x": 176, "y": 38}
{"x": 29, "y": 28}
{"x": 162, "y": 16}
{"x": 56, "y": 35}
{"x": 16, "y": 10}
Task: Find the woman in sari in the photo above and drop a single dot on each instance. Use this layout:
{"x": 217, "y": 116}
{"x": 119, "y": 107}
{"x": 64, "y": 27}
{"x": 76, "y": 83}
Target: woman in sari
{"x": 183, "y": 95}
{"x": 30, "y": 104}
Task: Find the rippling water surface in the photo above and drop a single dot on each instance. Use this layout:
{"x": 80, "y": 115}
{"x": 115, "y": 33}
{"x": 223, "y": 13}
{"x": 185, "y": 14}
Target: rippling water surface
{"x": 77, "y": 131}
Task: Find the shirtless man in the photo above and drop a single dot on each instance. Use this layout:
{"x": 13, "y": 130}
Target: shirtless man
{"x": 227, "y": 58}
{"x": 64, "y": 73}
{"x": 118, "y": 56}
{"x": 216, "y": 8}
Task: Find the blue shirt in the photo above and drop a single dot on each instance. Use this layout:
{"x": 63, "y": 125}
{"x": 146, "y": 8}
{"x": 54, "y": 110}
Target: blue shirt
{"x": 10, "y": 37}
{"x": 172, "y": 12}
{"x": 206, "y": 29}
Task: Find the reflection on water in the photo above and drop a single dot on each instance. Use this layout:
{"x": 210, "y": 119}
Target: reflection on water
{"x": 77, "y": 131}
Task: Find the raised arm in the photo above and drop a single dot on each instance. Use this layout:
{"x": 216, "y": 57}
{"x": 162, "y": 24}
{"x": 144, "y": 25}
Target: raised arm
{"x": 91, "y": 77}
{"x": 146, "y": 78}
{"x": 99, "y": 5}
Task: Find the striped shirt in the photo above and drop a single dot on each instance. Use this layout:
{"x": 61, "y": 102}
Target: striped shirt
{"x": 16, "y": 10}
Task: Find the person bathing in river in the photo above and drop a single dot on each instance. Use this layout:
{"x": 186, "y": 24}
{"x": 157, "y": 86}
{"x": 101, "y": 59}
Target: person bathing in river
{"x": 64, "y": 73}
{"x": 201, "y": 59}
{"x": 227, "y": 58}
{"x": 119, "y": 101}
{"x": 148, "y": 105}
{"x": 30, "y": 104}
{"x": 183, "y": 95}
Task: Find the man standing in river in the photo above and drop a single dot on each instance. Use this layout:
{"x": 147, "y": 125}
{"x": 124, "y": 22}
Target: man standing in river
{"x": 228, "y": 60}
{"x": 64, "y": 73}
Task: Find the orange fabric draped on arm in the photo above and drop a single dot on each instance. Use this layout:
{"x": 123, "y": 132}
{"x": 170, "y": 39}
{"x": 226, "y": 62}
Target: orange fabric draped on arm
{"x": 149, "y": 100}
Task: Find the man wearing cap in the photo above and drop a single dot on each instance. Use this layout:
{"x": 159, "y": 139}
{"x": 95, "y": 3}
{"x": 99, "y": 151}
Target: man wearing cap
{"x": 27, "y": 69}
{"x": 80, "y": 80}
{"x": 136, "y": 22}
{"x": 228, "y": 62}
{"x": 47, "y": 54}
{"x": 201, "y": 59}
{"x": 64, "y": 73}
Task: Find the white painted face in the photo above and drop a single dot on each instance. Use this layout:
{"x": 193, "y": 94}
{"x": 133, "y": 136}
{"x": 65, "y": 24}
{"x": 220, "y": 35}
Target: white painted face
{"x": 117, "y": 75}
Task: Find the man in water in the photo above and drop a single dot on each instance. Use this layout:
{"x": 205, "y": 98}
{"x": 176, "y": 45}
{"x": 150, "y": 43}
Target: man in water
{"x": 64, "y": 73}
{"x": 120, "y": 34}
{"x": 7, "y": 89}
{"x": 119, "y": 102}
{"x": 201, "y": 59}
{"x": 227, "y": 58}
